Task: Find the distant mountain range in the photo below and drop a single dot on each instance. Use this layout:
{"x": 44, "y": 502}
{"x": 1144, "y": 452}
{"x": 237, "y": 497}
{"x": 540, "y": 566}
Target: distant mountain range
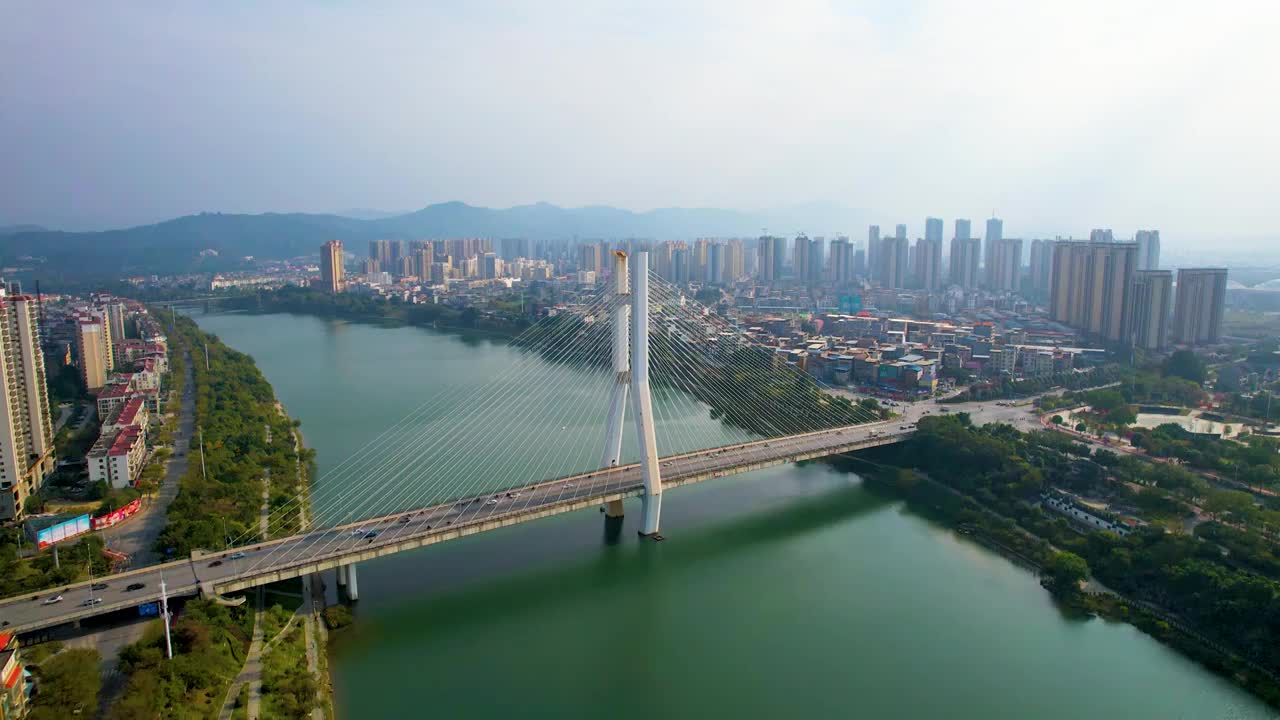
{"x": 15, "y": 229}
{"x": 181, "y": 245}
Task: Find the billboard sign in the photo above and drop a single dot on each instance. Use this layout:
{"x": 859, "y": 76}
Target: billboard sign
{"x": 63, "y": 531}
{"x": 115, "y": 516}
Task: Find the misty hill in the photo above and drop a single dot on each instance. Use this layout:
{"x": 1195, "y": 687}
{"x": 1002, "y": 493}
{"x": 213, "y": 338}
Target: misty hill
{"x": 15, "y": 229}
{"x": 175, "y": 246}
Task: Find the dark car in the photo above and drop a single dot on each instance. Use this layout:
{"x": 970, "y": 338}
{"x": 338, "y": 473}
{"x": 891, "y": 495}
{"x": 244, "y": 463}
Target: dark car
{"x": 215, "y": 563}
{"x": 135, "y": 586}
{"x": 371, "y": 534}
{"x": 98, "y": 586}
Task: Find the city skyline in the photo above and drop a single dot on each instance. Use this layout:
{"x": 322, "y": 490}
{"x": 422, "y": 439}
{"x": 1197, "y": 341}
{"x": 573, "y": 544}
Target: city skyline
{"x": 1106, "y": 137}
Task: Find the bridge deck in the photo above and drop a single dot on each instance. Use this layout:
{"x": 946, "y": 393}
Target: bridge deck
{"x": 322, "y": 549}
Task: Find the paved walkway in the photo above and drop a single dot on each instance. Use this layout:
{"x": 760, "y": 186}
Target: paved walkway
{"x": 251, "y": 673}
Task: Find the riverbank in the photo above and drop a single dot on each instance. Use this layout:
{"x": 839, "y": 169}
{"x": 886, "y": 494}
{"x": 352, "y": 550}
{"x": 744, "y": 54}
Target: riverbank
{"x": 1175, "y": 588}
{"x": 227, "y": 500}
{"x": 357, "y": 308}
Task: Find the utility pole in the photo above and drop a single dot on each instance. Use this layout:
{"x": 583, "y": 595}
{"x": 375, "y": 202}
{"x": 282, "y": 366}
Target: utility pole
{"x": 203, "y": 474}
{"x": 56, "y": 564}
{"x": 164, "y": 608}
{"x": 206, "y": 356}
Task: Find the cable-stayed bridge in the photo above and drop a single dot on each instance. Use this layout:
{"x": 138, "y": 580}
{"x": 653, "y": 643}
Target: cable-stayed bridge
{"x": 633, "y": 391}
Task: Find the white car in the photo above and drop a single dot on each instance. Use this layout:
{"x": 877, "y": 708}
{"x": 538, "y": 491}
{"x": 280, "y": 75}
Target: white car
{"x": 52, "y": 600}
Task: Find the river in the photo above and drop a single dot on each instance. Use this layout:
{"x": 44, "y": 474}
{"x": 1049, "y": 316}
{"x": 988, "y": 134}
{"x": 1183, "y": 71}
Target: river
{"x": 791, "y": 592}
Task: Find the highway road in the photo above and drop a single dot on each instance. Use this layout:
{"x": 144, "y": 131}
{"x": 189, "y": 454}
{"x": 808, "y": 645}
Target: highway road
{"x": 325, "y": 548}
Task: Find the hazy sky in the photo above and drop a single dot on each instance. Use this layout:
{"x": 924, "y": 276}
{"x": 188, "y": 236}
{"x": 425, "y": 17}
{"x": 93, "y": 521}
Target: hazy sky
{"x": 1060, "y": 116}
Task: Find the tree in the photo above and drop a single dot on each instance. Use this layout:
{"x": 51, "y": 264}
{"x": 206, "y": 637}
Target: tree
{"x": 1185, "y": 364}
{"x": 1065, "y": 571}
{"x": 68, "y": 685}
{"x": 1235, "y": 502}
{"x": 1057, "y": 420}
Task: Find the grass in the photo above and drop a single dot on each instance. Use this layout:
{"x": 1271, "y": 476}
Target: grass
{"x": 36, "y": 654}
{"x": 274, "y": 618}
{"x": 288, "y": 690}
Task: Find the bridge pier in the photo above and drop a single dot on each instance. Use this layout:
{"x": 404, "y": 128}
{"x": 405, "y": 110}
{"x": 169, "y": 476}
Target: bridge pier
{"x": 342, "y": 576}
{"x": 353, "y": 587}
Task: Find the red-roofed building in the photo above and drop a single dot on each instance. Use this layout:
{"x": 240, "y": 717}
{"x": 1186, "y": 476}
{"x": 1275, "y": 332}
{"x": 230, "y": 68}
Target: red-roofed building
{"x": 118, "y": 457}
{"x": 13, "y": 697}
{"x": 112, "y": 396}
{"x": 133, "y": 411}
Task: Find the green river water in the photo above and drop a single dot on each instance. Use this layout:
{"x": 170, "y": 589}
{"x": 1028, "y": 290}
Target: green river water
{"x": 791, "y": 592}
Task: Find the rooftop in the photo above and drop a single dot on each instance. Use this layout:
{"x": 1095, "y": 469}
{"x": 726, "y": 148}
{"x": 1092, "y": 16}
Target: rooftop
{"x": 125, "y": 440}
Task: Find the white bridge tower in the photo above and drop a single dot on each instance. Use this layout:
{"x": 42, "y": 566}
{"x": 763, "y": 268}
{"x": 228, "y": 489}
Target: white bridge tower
{"x": 631, "y": 318}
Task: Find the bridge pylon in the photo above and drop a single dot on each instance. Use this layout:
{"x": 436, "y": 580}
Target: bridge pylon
{"x": 641, "y": 404}
{"x": 621, "y": 372}
{"x": 630, "y": 287}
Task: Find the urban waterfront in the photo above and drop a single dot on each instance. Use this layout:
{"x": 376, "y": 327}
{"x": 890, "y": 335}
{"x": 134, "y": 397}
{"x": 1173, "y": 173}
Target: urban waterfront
{"x": 793, "y": 591}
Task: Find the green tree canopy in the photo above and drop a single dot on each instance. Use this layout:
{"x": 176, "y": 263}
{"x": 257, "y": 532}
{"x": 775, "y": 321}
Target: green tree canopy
{"x": 1185, "y": 364}
{"x": 68, "y": 685}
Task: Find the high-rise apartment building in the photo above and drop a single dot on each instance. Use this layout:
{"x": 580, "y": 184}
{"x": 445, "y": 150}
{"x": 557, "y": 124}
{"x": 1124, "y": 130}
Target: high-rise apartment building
{"x": 894, "y": 262}
{"x": 680, "y": 264}
{"x": 331, "y": 275}
{"x": 779, "y": 258}
{"x": 817, "y": 256}
{"x": 873, "y": 252}
{"x": 1101, "y": 235}
{"x": 115, "y": 321}
{"x": 1004, "y": 264}
{"x": 714, "y": 271}
{"x": 963, "y": 231}
{"x": 933, "y": 229}
{"x": 766, "y": 255}
{"x": 1148, "y": 249}
{"x": 995, "y": 233}
{"x": 900, "y": 232}
{"x": 423, "y": 257}
{"x": 800, "y": 258}
{"x": 490, "y": 266}
{"x": 26, "y": 430}
{"x": 590, "y": 257}
{"x": 380, "y": 250}
{"x": 399, "y": 251}
{"x": 93, "y": 348}
{"x": 928, "y": 261}
{"x": 1152, "y": 292}
{"x": 1091, "y": 287}
{"x": 735, "y": 260}
{"x": 1199, "y": 301}
{"x": 1041, "y": 267}
{"x": 965, "y": 254}
{"x": 513, "y": 248}
{"x": 841, "y": 261}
